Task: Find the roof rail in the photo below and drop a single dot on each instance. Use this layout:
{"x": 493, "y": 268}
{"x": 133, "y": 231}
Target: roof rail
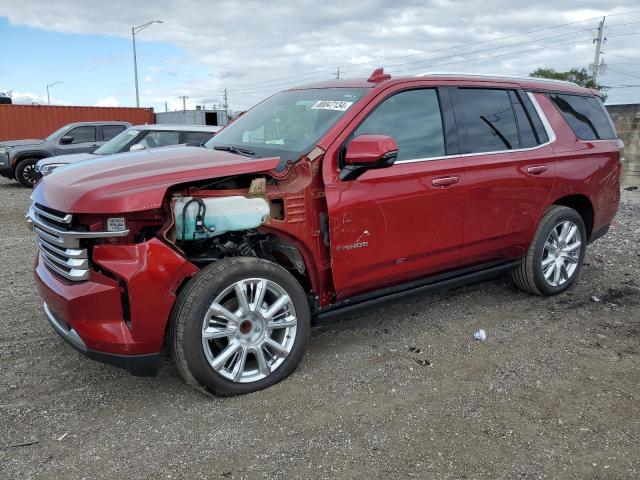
{"x": 504, "y": 77}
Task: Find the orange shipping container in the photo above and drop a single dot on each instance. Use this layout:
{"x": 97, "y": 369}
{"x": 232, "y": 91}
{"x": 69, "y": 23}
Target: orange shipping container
{"x": 19, "y": 122}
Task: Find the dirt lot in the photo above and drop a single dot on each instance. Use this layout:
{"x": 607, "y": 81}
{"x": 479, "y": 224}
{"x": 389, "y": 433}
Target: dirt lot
{"x": 402, "y": 391}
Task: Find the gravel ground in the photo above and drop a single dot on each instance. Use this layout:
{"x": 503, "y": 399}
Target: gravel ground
{"x": 401, "y": 391}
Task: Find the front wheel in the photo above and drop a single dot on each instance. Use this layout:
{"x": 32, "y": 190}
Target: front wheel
{"x": 555, "y": 256}
{"x": 240, "y": 325}
{"x": 26, "y": 173}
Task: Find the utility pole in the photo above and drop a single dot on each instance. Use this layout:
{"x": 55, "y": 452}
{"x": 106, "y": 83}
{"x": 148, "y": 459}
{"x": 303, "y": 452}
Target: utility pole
{"x": 184, "y": 102}
{"x": 50, "y": 85}
{"x": 338, "y": 74}
{"x": 596, "y": 58}
{"x": 166, "y": 106}
{"x": 135, "y": 30}
{"x": 226, "y": 105}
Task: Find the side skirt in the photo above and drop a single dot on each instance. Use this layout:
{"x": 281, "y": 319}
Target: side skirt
{"x": 432, "y": 284}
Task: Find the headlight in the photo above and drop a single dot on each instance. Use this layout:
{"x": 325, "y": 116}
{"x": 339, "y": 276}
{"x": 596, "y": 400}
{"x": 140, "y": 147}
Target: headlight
{"x": 5, "y": 149}
{"x": 48, "y": 168}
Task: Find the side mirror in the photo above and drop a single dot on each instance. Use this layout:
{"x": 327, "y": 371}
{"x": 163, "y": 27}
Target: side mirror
{"x": 368, "y": 151}
{"x": 66, "y": 140}
{"x": 137, "y": 147}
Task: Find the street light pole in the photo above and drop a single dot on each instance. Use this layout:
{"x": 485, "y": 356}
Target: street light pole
{"x": 50, "y": 85}
{"x": 135, "y": 30}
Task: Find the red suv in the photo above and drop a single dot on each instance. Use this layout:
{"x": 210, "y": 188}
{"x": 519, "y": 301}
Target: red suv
{"x": 320, "y": 199}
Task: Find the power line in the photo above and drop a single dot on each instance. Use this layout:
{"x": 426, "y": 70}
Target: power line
{"x": 491, "y": 57}
{"x": 387, "y": 59}
{"x": 351, "y": 71}
{"x": 275, "y": 83}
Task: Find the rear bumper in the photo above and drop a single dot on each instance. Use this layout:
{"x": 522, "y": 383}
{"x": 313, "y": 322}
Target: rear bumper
{"x": 139, "y": 365}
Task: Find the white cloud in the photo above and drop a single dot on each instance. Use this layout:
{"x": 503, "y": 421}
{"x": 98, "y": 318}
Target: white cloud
{"x": 28, "y": 98}
{"x": 109, "y": 101}
{"x": 148, "y": 79}
{"x": 255, "y": 49}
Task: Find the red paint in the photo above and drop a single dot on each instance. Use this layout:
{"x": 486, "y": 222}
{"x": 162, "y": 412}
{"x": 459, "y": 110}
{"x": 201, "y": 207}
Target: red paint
{"x": 388, "y": 226}
{"x": 19, "y": 122}
{"x": 367, "y": 149}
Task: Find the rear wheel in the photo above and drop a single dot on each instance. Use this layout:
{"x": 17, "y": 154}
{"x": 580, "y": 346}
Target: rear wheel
{"x": 26, "y": 174}
{"x": 239, "y": 326}
{"x": 555, "y": 256}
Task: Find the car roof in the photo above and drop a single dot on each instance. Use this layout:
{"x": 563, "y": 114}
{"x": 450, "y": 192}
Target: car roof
{"x": 101, "y": 122}
{"x": 179, "y": 128}
{"x": 528, "y": 83}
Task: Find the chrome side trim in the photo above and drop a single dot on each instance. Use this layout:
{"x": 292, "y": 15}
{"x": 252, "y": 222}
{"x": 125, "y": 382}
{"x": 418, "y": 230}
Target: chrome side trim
{"x": 69, "y": 335}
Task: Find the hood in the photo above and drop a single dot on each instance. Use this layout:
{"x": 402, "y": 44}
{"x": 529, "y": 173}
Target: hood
{"x": 71, "y": 158}
{"x": 137, "y": 181}
{"x": 19, "y": 143}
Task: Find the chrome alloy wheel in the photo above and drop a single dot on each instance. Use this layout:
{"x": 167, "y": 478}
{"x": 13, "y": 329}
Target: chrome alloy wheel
{"x": 249, "y": 330}
{"x": 561, "y": 253}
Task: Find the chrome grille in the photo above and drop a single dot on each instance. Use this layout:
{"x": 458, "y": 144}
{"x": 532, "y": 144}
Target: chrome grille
{"x": 59, "y": 245}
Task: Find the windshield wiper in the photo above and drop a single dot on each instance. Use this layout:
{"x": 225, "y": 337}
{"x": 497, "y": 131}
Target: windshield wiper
{"x": 237, "y": 150}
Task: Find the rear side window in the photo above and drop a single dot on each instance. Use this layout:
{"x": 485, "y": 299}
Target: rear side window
{"x": 489, "y": 120}
{"x": 585, "y": 115}
{"x": 197, "y": 137}
{"x": 110, "y": 131}
{"x": 413, "y": 119}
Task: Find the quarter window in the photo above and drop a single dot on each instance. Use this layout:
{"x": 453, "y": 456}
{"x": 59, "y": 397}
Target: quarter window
{"x": 83, "y": 134}
{"x": 489, "y": 120}
{"x": 585, "y": 115}
{"x": 413, "y": 119}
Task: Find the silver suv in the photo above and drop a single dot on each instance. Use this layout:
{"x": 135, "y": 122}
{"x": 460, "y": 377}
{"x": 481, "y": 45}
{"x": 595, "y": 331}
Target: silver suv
{"x": 18, "y": 158}
{"x": 136, "y": 138}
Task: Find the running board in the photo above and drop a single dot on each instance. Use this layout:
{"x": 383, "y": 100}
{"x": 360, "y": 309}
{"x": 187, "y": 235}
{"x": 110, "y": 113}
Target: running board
{"x": 436, "y": 283}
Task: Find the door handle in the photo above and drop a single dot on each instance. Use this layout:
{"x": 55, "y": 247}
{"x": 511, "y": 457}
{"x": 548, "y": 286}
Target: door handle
{"x": 444, "y": 181}
{"x": 537, "y": 169}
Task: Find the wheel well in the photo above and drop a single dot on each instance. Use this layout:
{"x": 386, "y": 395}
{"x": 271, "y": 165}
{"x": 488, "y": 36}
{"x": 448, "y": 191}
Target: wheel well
{"x": 28, "y": 156}
{"x": 582, "y": 205}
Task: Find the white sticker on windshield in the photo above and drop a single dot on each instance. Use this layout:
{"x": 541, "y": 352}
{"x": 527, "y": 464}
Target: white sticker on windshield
{"x": 338, "y": 105}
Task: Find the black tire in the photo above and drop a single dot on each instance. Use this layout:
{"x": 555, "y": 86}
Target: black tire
{"x": 26, "y": 174}
{"x": 192, "y": 305}
{"x": 529, "y": 275}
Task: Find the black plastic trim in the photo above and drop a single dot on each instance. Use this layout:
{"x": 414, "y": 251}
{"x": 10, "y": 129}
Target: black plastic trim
{"x": 431, "y": 284}
{"x": 601, "y": 232}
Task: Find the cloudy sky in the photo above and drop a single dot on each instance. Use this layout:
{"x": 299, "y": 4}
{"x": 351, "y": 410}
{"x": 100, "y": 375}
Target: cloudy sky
{"x": 255, "y": 48}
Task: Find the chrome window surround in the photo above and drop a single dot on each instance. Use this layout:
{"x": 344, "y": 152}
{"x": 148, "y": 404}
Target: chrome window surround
{"x": 59, "y": 248}
{"x": 545, "y": 123}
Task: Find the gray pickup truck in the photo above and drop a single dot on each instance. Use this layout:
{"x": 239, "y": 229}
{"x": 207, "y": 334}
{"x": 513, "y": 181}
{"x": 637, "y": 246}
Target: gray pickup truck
{"x": 18, "y": 158}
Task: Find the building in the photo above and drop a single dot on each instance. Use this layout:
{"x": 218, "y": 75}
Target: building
{"x": 626, "y": 118}
{"x": 198, "y": 116}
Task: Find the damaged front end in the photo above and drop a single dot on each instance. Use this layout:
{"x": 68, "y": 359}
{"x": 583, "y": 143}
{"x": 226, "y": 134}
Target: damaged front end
{"x": 277, "y": 218}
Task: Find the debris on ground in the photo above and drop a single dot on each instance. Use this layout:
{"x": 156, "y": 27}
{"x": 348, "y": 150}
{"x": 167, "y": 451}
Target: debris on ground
{"x": 480, "y": 335}
{"x": 595, "y": 299}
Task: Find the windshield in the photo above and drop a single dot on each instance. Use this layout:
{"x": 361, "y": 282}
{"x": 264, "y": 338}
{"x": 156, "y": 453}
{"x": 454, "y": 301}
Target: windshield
{"x": 117, "y": 143}
{"x": 58, "y": 132}
{"x": 288, "y": 124}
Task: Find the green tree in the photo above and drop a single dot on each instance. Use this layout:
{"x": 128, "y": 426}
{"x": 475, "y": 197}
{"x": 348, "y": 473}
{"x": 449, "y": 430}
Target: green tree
{"x": 575, "y": 75}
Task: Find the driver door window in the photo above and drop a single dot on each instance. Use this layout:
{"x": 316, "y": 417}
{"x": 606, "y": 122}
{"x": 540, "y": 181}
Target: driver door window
{"x": 413, "y": 119}
{"x": 82, "y": 135}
